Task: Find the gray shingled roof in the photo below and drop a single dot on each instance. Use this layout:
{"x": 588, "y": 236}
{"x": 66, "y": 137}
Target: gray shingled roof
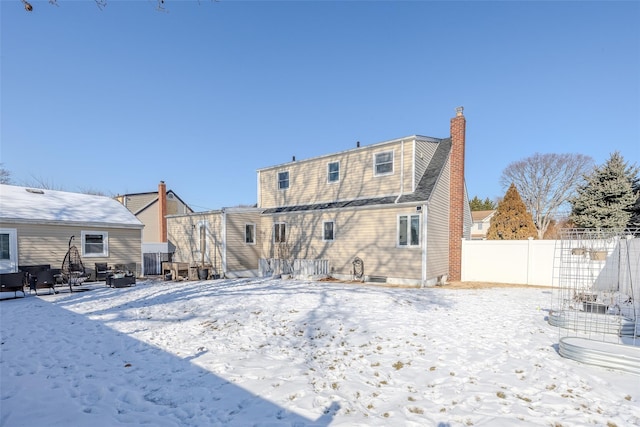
{"x": 423, "y": 189}
{"x": 431, "y": 174}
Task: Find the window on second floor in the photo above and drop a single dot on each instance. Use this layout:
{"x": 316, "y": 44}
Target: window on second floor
{"x": 279, "y": 232}
{"x": 333, "y": 172}
{"x": 408, "y": 230}
{"x": 95, "y": 244}
{"x": 328, "y": 230}
{"x": 283, "y": 180}
{"x": 383, "y": 163}
{"x": 250, "y": 234}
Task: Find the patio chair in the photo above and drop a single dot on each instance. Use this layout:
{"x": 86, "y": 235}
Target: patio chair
{"x": 102, "y": 271}
{"x": 12, "y": 282}
{"x": 43, "y": 279}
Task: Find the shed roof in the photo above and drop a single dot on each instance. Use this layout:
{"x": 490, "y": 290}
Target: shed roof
{"x": 23, "y": 204}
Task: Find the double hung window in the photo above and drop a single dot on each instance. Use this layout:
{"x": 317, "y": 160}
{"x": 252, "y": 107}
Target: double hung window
{"x": 383, "y": 163}
{"x": 333, "y": 172}
{"x": 283, "y": 180}
{"x": 95, "y": 243}
{"x": 408, "y": 230}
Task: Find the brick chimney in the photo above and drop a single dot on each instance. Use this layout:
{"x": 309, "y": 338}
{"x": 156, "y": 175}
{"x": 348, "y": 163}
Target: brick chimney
{"x": 456, "y": 195}
{"x": 162, "y": 211}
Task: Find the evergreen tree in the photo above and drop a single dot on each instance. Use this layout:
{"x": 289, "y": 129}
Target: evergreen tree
{"x": 511, "y": 221}
{"x": 607, "y": 199}
{"x": 478, "y": 205}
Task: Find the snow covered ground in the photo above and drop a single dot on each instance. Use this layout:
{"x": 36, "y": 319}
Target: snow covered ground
{"x": 295, "y": 353}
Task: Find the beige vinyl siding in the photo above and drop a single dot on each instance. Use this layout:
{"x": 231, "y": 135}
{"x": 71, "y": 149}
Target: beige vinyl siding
{"x": 240, "y": 255}
{"x": 183, "y": 232}
{"x": 370, "y": 234}
{"x": 48, "y": 244}
{"x": 424, "y": 151}
{"x": 308, "y": 178}
{"x": 136, "y": 202}
{"x": 438, "y": 228}
{"x": 468, "y": 219}
{"x": 150, "y": 218}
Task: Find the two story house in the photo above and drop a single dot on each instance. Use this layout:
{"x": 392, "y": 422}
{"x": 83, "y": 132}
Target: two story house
{"x": 481, "y": 223}
{"x": 399, "y": 207}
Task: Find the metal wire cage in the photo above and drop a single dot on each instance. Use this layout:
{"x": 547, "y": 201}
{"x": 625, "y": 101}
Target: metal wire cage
{"x": 596, "y": 295}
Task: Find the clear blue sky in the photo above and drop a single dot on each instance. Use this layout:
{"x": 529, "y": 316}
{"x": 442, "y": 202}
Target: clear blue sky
{"x": 202, "y": 96}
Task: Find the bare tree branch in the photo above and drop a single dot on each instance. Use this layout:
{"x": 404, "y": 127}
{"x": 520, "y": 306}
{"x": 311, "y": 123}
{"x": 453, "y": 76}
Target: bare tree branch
{"x": 546, "y": 182}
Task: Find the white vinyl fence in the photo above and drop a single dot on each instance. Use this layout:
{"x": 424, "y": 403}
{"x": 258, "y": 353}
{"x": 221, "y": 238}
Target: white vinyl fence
{"x": 526, "y": 262}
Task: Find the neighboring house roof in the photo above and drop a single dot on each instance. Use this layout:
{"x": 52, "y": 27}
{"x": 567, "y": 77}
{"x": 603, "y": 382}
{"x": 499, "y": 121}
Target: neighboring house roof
{"x": 482, "y": 215}
{"x": 152, "y": 198}
{"x": 27, "y": 205}
{"x": 423, "y": 189}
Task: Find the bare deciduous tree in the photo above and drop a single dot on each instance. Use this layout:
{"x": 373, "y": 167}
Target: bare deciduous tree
{"x": 546, "y": 182}
{"x": 100, "y": 3}
{"x": 5, "y": 175}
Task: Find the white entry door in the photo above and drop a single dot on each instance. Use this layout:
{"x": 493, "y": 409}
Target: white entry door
{"x": 8, "y": 250}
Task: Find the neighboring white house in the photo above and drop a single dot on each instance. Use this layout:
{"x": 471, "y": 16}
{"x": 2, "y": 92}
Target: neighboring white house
{"x": 36, "y": 226}
{"x": 481, "y": 223}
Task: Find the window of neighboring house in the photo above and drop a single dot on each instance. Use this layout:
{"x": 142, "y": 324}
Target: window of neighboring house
{"x": 328, "y": 230}
{"x": 250, "y": 234}
{"x": 408, "y": 230}
{"x": 283, "y": 180}
{"x": 479, "y": 226}
{"x": 279, "y": 232}
{"x": 5, "y": 250}
{"x": 95, "y": 244}
{"x": 383, "y": 163}
{"x": 333, "y": 172}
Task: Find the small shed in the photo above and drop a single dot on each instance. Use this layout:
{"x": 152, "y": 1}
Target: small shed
{"x": 37, "y": 224}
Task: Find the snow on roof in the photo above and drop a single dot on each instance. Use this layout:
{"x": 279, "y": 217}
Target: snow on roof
{"x": 23, "y": 204}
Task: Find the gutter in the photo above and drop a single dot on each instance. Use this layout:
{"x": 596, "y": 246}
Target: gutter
{"x": 401, "y": 171}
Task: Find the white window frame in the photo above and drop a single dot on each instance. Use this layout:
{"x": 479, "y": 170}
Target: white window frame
{"x": 375, "y": 163}
{"x": 333, "y": 231}
{"x": 280, "y": 181}
{"x": 276, "y": 234}
{"x": 10, "y": 265}
{"x": 329, "y": 181}
{"x": 105, "y": 244}
{"x": 407, "y": 230}
{"x": 253, "y": 233}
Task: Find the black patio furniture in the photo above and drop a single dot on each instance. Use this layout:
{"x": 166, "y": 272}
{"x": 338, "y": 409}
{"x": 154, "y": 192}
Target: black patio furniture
{"x": 12, "y": 282}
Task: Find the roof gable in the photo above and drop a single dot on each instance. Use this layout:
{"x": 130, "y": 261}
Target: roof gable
{"x": 21, "y": 204}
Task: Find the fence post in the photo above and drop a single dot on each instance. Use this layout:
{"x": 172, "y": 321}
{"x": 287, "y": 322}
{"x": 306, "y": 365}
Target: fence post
{"x": 529, "y": 258}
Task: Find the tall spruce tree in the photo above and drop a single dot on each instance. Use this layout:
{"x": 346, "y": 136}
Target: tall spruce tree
{"x": 511, "y": 220}
{"x": 608, "y": 197}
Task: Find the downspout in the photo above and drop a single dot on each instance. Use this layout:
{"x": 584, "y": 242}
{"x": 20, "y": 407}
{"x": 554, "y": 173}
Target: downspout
{"x": 223, "y": 250}
{"x": 259, "y": 201}
{"x": 401, "y": 171}
{"x": 425, "y": 208}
